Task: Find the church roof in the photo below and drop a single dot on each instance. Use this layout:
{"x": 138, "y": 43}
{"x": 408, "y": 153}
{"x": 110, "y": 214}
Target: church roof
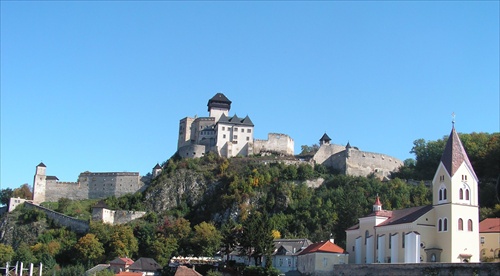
{"x": 41, "y": 165}
{"x": 323, "y": 247}
{"x": 454, "y": 154}
{"x": 401, "y": 216}
{"x": 490, "y": 225}
{"x": 348, "y": 146}
{"x": 220, "y": 101}
{"x": 377, "y": 201}
{"x": 325, "y": 138}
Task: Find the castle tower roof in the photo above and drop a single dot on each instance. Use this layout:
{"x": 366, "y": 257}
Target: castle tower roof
{"x": 247, "y": 121}
{"x": 454, "y": 154}
{"x": 41, "y": 165}
{"x": 157, "y": 166}
{"x": 325, "y": 138}
{"x": 219, "y": 101}
{"x": 348, "y": 146}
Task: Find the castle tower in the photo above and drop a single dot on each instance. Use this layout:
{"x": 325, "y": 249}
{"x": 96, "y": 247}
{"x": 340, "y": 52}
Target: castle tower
{"x": 455, "y": 201}
{"x": 39, "y": 183}
{"x": 325, "y": 140}
{"x": 156, "y": 170}
{"x": 218, "y": 105}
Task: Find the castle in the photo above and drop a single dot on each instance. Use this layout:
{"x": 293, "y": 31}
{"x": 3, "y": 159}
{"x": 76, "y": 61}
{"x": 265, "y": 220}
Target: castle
{"x": 228, "y": 136}
{"x": 446, "y": 231}
{"x": 89, "y": 186}
{"x": 351, "y": 161}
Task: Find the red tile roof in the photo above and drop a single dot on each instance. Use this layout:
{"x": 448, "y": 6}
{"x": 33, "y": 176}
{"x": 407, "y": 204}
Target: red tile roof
{"x": 490, "y": 225}
{"x": 454, "y": 154}
{"x": 324, "y": 247}
{"x": 186, "y": 271}
{"x": 124, "y": 273}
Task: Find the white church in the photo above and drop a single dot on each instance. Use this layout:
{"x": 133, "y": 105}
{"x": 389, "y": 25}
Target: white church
{"x": 446, "y": 231}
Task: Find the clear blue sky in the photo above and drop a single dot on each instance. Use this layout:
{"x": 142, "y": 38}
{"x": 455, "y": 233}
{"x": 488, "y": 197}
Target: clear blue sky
{"x": 101, "y": 86}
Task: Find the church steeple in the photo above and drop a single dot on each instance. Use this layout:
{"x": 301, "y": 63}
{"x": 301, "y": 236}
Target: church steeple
{"x": 377, "y": 206}
{"x": 454, "y": 154}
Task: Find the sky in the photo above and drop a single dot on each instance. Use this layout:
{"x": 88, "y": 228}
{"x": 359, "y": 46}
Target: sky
{"x": 101, "y": 86}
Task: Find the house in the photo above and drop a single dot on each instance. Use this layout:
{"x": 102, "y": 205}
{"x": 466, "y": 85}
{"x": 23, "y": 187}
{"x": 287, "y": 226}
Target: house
{"x": 489, "y": 239}
{"x": 320, "y": 258}
{"x": 125, "y": 273}
{"x": 120, "y": 264}
{"x": 148, "y": 266}
{"x": 286, "y": 252}
{"x": 186, "y": 271}
{"x": 446, "y": 231}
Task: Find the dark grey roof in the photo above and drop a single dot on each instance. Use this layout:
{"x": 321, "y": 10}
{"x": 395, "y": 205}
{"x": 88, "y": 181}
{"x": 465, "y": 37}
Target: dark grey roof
{"x": 157, "y": 166}
{"x": 247, "y": 121}
{"x": 325, "y": 138}
{"x": 219, "y": 101}
{"x": 454, "y": 154}
{"x": 145, "y": 264}
{"x": 41, "y": 165}
{"x": 235, "y": 120}
{"x": 51, "y": 177}
{"x": 399, "y": 216}
{"x": 348, "y": 146}
{"x": 290, "y": 246}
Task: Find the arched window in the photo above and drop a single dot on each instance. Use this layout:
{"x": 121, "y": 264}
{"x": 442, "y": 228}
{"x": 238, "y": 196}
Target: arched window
{"x": 466, "y": 194}
{"x": 461, "y": 194}
{"x": 366, "y": 235}
{"x": 441, "y": 194}
{"x": 445, "y": 224}
{"x": 469, "y": 225}
{"x": 440, "y": 225}
{"x": 460, "y": 224}
{"x": 444, "y": 194}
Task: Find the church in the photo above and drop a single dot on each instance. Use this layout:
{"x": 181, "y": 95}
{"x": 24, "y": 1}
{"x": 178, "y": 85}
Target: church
{"x": 446, "y": 231}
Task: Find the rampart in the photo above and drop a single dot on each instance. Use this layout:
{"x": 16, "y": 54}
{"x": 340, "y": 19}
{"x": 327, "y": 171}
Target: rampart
{"x": 362, "y": 163}
{"x": 275, "y": 143}
{"x": 77, "y": 225}
{"x": 480, "y": 269}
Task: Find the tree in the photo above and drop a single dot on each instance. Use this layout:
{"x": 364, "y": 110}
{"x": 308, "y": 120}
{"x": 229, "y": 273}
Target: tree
{"x": 229, "y": 232}
{"x": 123, "y": 242}
{"x": 162, "y": 249}
{"x": 256, "y": 239}
{"x": 89, "y": 249}
{"x": 23, "y": 192}
{"x": 6, "y": 253}
{"x": 206, "y": 239}
{"x": 5, "y": 195}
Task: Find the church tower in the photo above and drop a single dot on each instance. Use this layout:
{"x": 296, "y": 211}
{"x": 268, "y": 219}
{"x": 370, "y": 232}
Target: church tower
{"x": 218, "y": 105}
{"x": 455, "y": 201}
{"x": 39, "y": 183}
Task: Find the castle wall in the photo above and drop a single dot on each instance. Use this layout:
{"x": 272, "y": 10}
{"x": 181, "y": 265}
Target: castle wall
{"x": 79, "y": 226}
{"x": 101, "y": 185}
{"x": 184, "y": 132}
{"x": 115, "y": 217}
{"x": 362, "y": 163}
{"x": 276, "y": 143}
{"x": 192, "y": 151}
{"x": 326, "y": 151}
{"x": 54, "y": 190}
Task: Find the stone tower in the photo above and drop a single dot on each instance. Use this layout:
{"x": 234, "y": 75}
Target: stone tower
{"x": 218, "y": 105}
{"x": 157, "y": 170}
{"x": 39, "y": 183}
{"x": 455, "y": 200}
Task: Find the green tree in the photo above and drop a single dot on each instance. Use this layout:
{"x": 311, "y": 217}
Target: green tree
{"x": 23, "y": 192}
{"x": 6, "y": 253}
{"x": 206, "y": 239}
{"x": 24, "y": 254}
{"x": 123, "y": 242}
{"x": 256, "y": 239}
{"x": 89, "y": 249}
{"x": 229, "y": 232}
{"x": 5, "y": 195}
{"x": 162, "y": 249}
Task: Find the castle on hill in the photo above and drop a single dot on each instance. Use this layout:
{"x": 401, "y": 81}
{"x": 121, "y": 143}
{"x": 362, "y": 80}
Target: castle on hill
{"x": 352, "y": 161}
{"x": 89, "y": 185}
{"x": 228, "y": 136}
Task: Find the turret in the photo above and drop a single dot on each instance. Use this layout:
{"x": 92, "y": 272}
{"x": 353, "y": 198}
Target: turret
{"x": 39, "y": 183}
{"x": 156, "y": 170}
{"x": 218, "y": 105}
{"x": 325, "y": 140}
{"x": 377, "y": 206}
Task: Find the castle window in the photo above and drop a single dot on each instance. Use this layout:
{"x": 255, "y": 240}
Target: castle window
{"x": 482, "y": 240}
{"x": 248, "y": 138}
{"x": 466, "y": 194}
{"x": 469, "y": 225}
{"x": 223, "y": 128}
{"x": 235, "y": 129}
{"x": 249, "y": 130}
{"x": 366, "y": 235}
{"x": 242, "y": 130}
{"x": 224, "y": 136}
{"x": 235, "y": 137}
{"x": 460, "y": 224}
{"x": 403, "y": 236}
{"x": 461, "y": 193}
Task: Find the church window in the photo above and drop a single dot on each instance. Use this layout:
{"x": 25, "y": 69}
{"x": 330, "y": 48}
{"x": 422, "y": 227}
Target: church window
{"x": 460, "y": 224}
{"x": 469, "y": 225}
{"x": 441, "y": 194}
{"x": 466, "y": 194}
{"x": 403, "y": 238}
{"x": 444, "y": 194}
{"x": 482, "y": 240}
{"x": 440, "y": 225}
{"x": 461, "y": 193}
{"x": 445, "y": 224}
{"x": 366, "y": 236}
{"x": 390, "y": 241}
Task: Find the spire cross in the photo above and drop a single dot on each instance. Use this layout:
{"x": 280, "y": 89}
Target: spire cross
{"x": 453, "y": 118}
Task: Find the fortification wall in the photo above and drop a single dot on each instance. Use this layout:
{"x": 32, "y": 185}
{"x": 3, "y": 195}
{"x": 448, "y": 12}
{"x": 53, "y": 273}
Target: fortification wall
{"x": 325, "y": 152}
{"x": 480, "y": 269}
{"x": 276, "y": 142}
{"x": 101, "y": 185}
{"x": 362, "y": 163}
{"x": 55, "y": 190}
{"x": 191, "y": 151}
{"x": 79, "y": 226}
{"x": 122, "y": 217}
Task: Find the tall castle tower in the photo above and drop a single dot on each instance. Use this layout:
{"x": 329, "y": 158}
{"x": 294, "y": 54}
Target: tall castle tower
{"x": 218, "y": 105}
{"x": 455, "y": 201}
{"x": 39, "y": 183}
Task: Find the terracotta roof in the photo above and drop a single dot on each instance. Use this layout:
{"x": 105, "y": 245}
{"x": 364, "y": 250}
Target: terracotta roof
{"x": 490, "y": 225}
{"x": 325, "y": 138}
{"x": 454, "y": 154}
{"x": 122, "y": 261}
{"x": 377, "y": 201}
{"x": 41, "y": 165}
{"x": 186, "y": 271}
{"x": 145, "y": 264}
{"x": 324, "y": 247}
{"x": 126, "y": 273}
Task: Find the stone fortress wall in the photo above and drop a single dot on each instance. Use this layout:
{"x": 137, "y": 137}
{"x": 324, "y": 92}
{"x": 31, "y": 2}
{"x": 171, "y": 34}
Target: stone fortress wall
{"x": 89, "y": 186}
{"x": 275, "y": 143}
{"x": 77, "y": 225}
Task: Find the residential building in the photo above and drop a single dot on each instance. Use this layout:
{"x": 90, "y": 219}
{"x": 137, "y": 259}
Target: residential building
{"x": 446, "y": 231}
{"x": 286, "y": 252}
{"x": 320, "y": 258}
{"x": 489, "y": 239}
{"x": 148, "y": 267}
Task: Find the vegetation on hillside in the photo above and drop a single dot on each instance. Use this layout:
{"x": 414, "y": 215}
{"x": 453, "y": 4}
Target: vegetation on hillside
{"x": 243, "y": 201}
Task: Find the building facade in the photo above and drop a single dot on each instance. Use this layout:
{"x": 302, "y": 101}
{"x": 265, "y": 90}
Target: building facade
{"x": 320, "y": 258}
{"x": 226, "y": 135}
{"x": 446, "y": 231}
{"x": 489, "y": 239}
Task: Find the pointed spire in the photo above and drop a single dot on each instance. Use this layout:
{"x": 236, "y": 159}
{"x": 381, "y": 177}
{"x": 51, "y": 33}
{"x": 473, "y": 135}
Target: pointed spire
{"x": 377, "y": 206}
{"x": 324, "y": 139}
{"x": 454, "y": 154}
{"x": 348, "y": 146}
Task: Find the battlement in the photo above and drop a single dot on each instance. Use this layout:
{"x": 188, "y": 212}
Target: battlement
{"x": 66, "y": 183}
{"x": 109, "y": 174}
